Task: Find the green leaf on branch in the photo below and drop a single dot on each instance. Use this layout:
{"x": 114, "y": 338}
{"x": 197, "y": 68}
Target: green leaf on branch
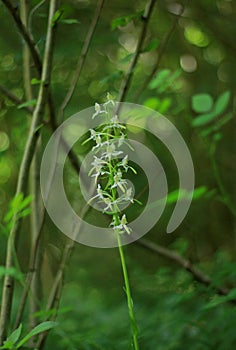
{"x": 12, "y": 339}
{"x": 155, "y": 103}
{"x": 127, "y": 58}
{"x": 204, "y": 119}
{"x": 69, "y": 21}
{"x": 11, "y": 271}
{"x": 27, "y": 104}
{"x": 124, "y": 20}
{"x": 163, "y": 80}
{"x": 222, "y": 103}
{"x": 56, "y": 17}
{"x": 152, "y": 45}
{"x": 202, "y": 103}
{"x": 11, "y": 342}
{"x": 217, "y": 125}
{"x": 19, "y": 206}
{"x": 36, "y": 81}
{"x": 42, "y": 327}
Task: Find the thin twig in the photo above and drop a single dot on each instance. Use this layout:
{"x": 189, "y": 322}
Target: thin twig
{"x": 161, "y": 51}
{"x": 12, "y": 97}
{"x": 30, "y": 274}
{"x": 186, "y": 264}
{"x": 54, "y": 297}
{"x": 36, "y": 203}
{"x": 8, "y": 286}
{"x": 53, "y": 125}
{"x": 13, "y": 9}
{"x": 82, "y": 58}
{"x": 127, "y": 80}
{"x": 31, "y": 14}
{"x": 32, "y": 48}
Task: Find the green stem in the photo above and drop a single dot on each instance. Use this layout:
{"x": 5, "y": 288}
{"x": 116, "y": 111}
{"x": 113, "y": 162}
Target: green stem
{"x": 134, "y": 327}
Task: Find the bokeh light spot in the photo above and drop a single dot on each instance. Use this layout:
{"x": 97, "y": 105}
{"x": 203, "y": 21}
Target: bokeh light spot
{"x": 195, "y": 36}
{"x": 4, "y": 141}
{"x": 188, "y": 63}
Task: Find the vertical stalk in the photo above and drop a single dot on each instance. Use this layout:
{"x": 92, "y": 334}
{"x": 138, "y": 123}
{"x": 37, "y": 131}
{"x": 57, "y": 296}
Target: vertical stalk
{"x": 34, "y": 171}
{"x": 116, "y": 220}
{"x": 134, "y": 327}
{"x": 22, "y": 182}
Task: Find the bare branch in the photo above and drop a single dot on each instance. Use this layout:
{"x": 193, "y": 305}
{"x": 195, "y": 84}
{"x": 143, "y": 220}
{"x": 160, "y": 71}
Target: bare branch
{"x": 13, "y": 9}
{"x": 54, "y": 297}
{"x": 82, "y": 58}
{"x": 31, "y": 272}
{"x": 32, "y": 48}
{"x": 127, "y": 80}
{"x": 161, "y": 51}
{"x": 186, "y": 264}
{"x": 12, "y": 97}
{"x": 8, "y": 286}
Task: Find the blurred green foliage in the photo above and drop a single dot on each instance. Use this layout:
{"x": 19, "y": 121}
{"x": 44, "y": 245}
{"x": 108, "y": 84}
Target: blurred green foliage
{"x": 194, "y": 87}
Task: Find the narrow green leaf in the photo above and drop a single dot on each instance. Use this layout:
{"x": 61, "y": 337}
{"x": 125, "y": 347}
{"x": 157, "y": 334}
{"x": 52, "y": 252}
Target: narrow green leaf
{"x": 42, "y": 327}
{"x": 161, "y": 77}
{"x": 203, "y": 119}
{"x": 199, "y": 192}
{"x": 38, "y": 127}
{"x": 215, "y": 302}
{"x": 222, "y": 103}
{"x": 152, "y": 102}
{"x": 13, "y": 338}
{"x": 25, "y": 212}
{"x": 16, "y": 201}
{"x": 164, "y": 105}
{"x": 35, "y": 81}
{"x": 127, "y": 58}
{"x": 57, "y": 15}
{"x": 217, "y": 125}
{"x": 28, "y": 103}
{"x": 27, "y": 200}
{"x": 69, "y": 21}
{"x": 124, "y": 20}
{"x": 152, "y": 45}
{"x": 11, "y": 271}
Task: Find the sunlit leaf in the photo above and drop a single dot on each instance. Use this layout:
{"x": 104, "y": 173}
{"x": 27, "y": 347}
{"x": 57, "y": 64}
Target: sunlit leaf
{"x": 11, "y": 271}
{"x": 12, "y": 339}
{"x": 42, "y": 327}
{"x": 124, "y": 20}
{"x": 203, "y": 119}
{"x": 202, "y": 103}
{"x": 57, "y": 15}
{"x": 159, "y": 78}
{"x": 163, "y": 80}
{"x": 36, "y": 81}
{"x": 222, "y": 102}
{"x": 28, "y": 103}
{"x": 152, "y": 102}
